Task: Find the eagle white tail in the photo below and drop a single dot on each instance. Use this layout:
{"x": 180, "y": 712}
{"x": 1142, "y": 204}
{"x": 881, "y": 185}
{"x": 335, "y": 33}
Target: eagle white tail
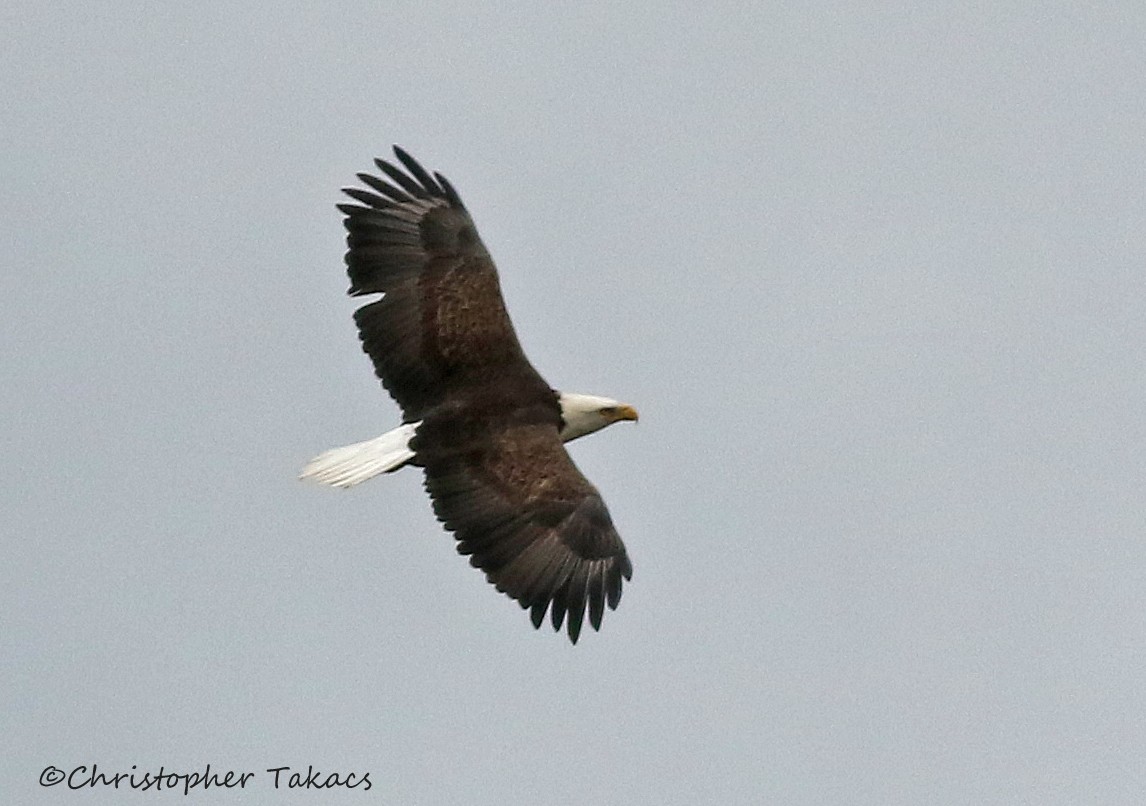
{"x": 354, "y": 464}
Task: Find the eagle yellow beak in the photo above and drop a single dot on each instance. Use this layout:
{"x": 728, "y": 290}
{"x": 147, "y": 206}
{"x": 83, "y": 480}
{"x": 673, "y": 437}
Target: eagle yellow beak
{"x": 625, "y": 413}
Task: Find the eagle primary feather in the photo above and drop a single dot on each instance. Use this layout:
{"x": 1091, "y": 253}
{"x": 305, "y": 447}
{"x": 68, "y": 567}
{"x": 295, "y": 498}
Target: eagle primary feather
{"x": 484, "y": 426}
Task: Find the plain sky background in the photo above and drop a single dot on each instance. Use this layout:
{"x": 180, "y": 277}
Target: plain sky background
{"x": 873, "y": 273}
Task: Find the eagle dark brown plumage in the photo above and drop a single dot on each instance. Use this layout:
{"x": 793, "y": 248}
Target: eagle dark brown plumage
{"x": 486, "y": 427}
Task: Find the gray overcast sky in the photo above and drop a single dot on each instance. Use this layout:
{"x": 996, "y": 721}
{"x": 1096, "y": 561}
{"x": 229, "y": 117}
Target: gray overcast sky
{"x": 873, "y": 273}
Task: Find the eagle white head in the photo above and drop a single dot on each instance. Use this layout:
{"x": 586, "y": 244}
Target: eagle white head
{"x": 584, "y": 414}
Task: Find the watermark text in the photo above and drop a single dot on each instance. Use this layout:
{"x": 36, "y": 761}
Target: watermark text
{"x": 163, "y": 779}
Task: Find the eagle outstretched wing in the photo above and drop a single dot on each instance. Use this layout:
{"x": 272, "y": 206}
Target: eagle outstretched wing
{"x": 442, "y": 322}
{"x": 525, "y": 515}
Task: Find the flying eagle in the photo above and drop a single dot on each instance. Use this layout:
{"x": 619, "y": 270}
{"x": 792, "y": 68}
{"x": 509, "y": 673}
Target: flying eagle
{"x": 483, "y": 425}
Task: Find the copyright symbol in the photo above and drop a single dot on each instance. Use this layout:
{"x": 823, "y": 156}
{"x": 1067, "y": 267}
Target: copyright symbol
{"x": 51, "y": 776}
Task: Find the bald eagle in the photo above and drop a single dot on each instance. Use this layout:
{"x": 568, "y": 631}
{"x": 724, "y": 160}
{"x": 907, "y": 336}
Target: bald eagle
{"x": 483, "y": 425}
